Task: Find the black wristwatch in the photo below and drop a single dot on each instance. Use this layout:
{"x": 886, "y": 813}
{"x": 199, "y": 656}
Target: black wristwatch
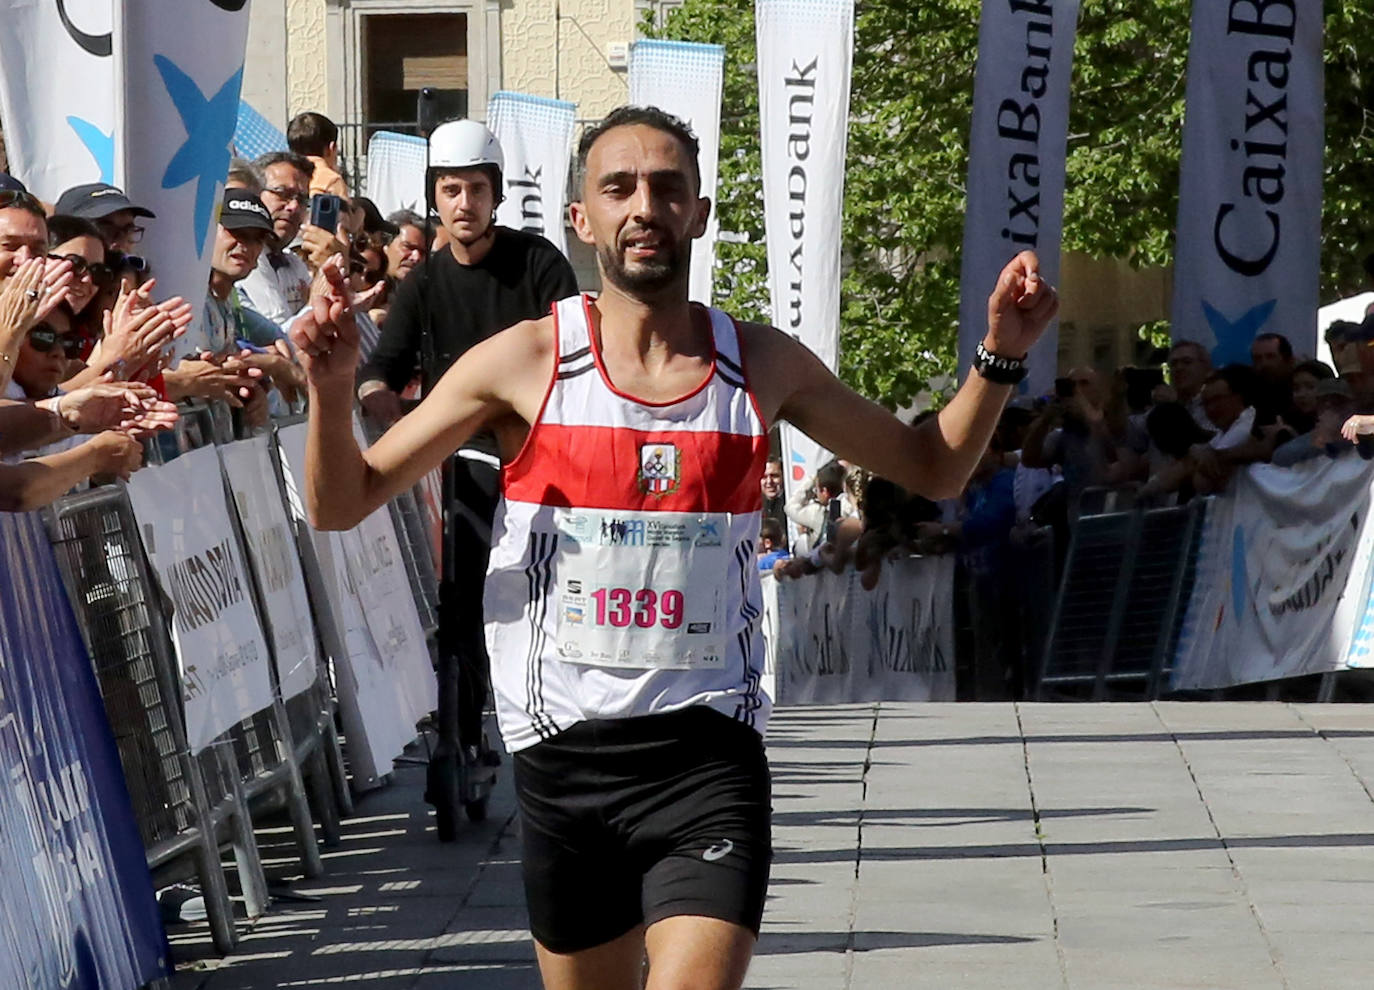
{"x": 998, "y": 369}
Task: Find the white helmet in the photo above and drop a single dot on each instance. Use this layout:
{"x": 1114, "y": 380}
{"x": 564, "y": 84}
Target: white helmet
{"x": 464, "y": 144}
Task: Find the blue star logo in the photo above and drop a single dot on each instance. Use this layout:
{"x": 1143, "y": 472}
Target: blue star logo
{"x": 209, "y": 131}
{"x": 1234, "y": 337}
{"x": 98, "y": 143}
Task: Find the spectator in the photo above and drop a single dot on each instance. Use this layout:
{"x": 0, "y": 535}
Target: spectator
{"x": 772, "y": 545}
{"x": 1174, "y": 432}
{"x": 1271, "y": 355}
{"x": 1073, "y": 435}
{"x": 245, "y": 226}
{"x": 1302, "y": 407}
{"x": 1228, "y": 398}
{"x": 814, "y": 504}
{"x": 110, "y": 209}
{"x": 1335, "y": 403}
{"x": 23, "y": 230}
{"x": 408, "y": 248}
{"x": 78, "y": 242}
{"x": 317, "y": 138}
{"x": 774, "y": 502}
{"x": 1189, "y": 366}
{"x": 279, "y": 285}
{"x": 1338, "y": 338}
{"x": 1359, "y": 357}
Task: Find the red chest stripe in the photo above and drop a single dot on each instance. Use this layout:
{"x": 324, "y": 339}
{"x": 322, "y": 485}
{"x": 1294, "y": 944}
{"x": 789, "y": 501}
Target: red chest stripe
{"x": 601, "y": 467}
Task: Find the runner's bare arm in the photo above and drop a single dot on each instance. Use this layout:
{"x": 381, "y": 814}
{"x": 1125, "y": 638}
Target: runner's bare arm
{"x": 503, "y": 376}
{"x": 935, "y": 459}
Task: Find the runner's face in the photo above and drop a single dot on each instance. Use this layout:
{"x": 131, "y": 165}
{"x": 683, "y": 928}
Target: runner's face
{"x": 640, "y": 208}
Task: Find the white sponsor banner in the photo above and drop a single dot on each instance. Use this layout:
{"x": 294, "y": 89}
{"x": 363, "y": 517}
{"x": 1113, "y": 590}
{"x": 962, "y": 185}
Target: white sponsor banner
{"x": 536, "y": 141}
{"x": 178, "y": 69}
{"x": 805, "y": 48}
{"x": 1017, "y": 149}
{"x": 1250, "y": 185}
{"x": 831, "y": 641}
{"x": 685, "y": 78}
{"x": 371, "y": 629}
{"x": 1269, "y": 597}
{"x": 184, "y": 521}
{"x": 57, "y": 102}
{"x": 396, "y": 172}
{"x": 276, "y": 564}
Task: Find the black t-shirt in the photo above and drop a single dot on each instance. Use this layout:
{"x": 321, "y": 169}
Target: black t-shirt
{"x": 519, "y": 279}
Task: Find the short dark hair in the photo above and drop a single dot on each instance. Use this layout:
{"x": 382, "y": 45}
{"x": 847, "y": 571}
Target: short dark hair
{"x": 1340, "y": 330}
{"x": 831, "y": 478}
{"x": 629, "y": 116}
{"x": 311, "y": 133}
{"x": 770, "y": 529}
{"x": 20, "y": 199}
{"x": 63, "y": 228}
{"x": 773, "y": 459}
{"x": 299, "y": 162}
{"x": 246, "y": 175}
{"x": 1319, "y": 370}
{"x": 1285, "y": 346}
{"x": 406, "y": 218}
{"x": 1239, "y": 378}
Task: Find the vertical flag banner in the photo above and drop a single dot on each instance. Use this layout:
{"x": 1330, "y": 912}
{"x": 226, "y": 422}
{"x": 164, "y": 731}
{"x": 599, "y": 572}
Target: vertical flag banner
{"x": 396, "y": 172}
{"x": 76, "y": 902}
{"x": 685, "y": 79}
{"x": 179, "y": 70}
{"x": 536, "y": 139}
{"x": 805, "y": 51}
{"x": 1250, "y": 184}
{"x": 186, "y": 530}
{"x": 57, "y": 102}
{"x": 1017, "y": 149}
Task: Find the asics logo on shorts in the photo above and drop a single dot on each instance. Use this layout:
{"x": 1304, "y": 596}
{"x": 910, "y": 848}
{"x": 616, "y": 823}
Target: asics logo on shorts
{"x": 718, "y": 851}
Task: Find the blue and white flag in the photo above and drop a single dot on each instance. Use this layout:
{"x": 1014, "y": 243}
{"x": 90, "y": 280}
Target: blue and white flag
{"x": 254, "y": 134}
{"x": 1017, "y": 154}
{"x": 1250, "y": 184}
{"x": 396, "y": 172}
{"x": 57, "y": 103}
{"x": 685, "y": 78}
{"x": 179, "y": 70}
{"x": 536, "y": 139}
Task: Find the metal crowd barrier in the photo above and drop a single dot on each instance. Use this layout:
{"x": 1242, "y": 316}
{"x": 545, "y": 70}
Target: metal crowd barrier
{"x": 1115, "y": 624}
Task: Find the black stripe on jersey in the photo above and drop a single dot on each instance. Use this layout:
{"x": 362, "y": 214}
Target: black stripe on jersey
{"x": 576, "y": 355}
{"x": 744, "y": 712}
{"x": 538, "y": 574}
{"x": 574, "y": 372}
{"x": 722, "y": 359}
{"x": 728, "y": 380}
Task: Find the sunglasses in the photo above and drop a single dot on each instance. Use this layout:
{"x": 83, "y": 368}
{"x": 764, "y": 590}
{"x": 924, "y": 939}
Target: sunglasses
{"x": 43, "y": 338}
{"x": 118, "y": 261}
{"x": 101, "y": 273}
{"x": 17, "y": 197}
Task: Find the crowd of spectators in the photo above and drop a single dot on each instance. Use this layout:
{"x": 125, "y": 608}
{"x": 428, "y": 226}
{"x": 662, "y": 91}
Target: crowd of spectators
{"x": 94, "y": 359}
{"x": 1148, "y": 436}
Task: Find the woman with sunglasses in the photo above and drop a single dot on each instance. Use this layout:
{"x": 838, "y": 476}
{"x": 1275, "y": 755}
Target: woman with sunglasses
{"x": 41, "y": 366}
{"x": 78, "y": 242}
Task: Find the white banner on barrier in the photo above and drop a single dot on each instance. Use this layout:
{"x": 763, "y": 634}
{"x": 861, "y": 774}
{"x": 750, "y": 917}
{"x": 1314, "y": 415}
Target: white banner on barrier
{"x": 57, "y": 101}
{"x": 836, "y": 642}
{"x": 184, "y": 521}
{"x": 1017, "y": 149}
{"x": 276, "y": 565}
{"x": 805, "y": 51}
{"x": 1250, "y": 184}
{"x": 382, "y": 668}
{"x": 180, "y": 68}
{"x": 684, "y": 78}
{"x": 536, "y": 140}
{"x": 1277, "y": 554}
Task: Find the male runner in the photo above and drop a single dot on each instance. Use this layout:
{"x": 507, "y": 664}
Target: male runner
{"x": 622, "y": 598}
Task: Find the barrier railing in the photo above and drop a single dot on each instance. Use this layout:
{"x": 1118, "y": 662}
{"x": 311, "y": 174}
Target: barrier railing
{"x": 1116, "y": 619}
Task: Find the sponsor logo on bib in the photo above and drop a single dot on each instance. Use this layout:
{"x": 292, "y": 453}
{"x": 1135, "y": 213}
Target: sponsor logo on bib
{"x": 658, "y": 469}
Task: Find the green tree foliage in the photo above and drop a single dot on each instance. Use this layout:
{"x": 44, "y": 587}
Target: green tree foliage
{"x": 908, "y": 160}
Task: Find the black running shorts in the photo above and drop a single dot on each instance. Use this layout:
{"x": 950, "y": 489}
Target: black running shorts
{"x": 630, "y": 821}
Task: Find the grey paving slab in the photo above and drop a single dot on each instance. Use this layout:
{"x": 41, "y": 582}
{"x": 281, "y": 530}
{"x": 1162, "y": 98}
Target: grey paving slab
{"x": 943, "y": 846}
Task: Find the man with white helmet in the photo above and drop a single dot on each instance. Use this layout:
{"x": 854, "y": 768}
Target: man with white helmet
{"x": 486, "y": 279}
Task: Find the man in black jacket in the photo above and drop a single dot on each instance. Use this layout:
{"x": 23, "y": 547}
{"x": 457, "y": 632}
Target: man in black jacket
{"x": 485, "y": 279}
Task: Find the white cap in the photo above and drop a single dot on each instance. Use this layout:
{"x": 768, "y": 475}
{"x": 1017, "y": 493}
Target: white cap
{"x": 464, "y": 144}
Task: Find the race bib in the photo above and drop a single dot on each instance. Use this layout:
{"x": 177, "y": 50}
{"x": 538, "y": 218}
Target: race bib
{"x": 641, "y": 590}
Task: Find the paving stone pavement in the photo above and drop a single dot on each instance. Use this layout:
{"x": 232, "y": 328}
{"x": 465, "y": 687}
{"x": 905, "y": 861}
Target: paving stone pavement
{"x": 1016, "y": 847}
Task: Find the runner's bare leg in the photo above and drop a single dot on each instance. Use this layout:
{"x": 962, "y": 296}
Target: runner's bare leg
{"x": 616, "y": 965}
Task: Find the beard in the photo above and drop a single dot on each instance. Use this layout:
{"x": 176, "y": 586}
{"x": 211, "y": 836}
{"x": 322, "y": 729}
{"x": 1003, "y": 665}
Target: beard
{"x": 646, "y": 276}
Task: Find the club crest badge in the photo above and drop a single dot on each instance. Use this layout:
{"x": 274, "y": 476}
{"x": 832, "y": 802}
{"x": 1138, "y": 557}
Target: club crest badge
{"x": 658, "y": 469}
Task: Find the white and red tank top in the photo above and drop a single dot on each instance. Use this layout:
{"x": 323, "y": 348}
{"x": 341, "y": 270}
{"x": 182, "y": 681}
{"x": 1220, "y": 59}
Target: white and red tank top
{"x": 623, "y": 580}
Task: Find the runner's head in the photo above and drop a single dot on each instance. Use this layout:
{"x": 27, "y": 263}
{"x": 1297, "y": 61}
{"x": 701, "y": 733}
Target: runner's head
{"x": 640, "y": 203}
{"x": 465, "y": 166}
